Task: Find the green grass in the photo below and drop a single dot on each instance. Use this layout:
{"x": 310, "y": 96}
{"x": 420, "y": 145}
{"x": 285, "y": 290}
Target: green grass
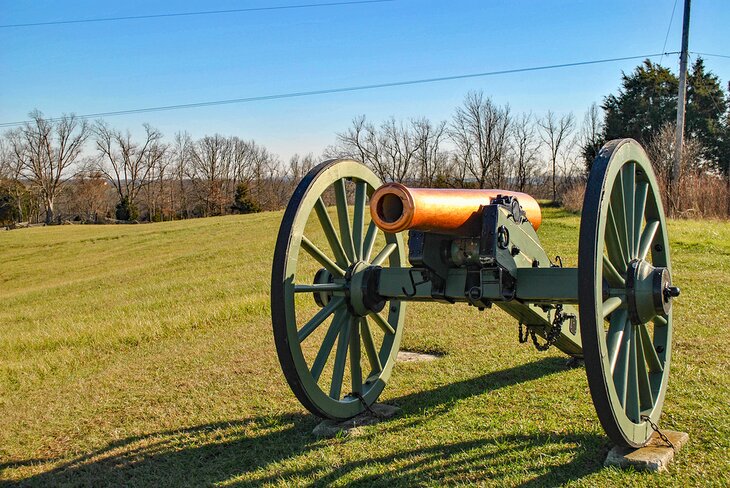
{"x": 142, "y": 355}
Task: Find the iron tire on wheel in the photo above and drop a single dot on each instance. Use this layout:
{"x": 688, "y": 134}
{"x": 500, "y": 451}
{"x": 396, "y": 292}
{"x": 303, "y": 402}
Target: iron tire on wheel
{"x": 350, "y": 249}
{"x": 627, "y": 349}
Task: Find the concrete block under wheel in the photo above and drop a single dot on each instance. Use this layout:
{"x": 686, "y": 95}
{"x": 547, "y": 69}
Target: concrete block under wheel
{"x": 655, "y": 456}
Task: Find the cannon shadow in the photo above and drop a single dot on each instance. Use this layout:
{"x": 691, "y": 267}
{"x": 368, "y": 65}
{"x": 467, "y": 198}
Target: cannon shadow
{"x": 278, "y": 448}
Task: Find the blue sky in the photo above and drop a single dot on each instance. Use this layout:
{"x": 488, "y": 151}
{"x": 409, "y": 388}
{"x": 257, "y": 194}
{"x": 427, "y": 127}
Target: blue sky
{"x": 100, "y": 67}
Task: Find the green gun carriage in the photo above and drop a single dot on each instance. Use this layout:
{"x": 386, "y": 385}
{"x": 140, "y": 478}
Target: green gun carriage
{"x": 342, "y": 290}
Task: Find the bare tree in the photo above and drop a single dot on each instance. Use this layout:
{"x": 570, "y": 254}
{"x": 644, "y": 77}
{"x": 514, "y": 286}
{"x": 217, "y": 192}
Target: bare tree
{"x": 210, "y": 158}
{"x": 154, "y": 187}
{"x": 271, "y": 186}
{"x": 555, "y": 134}
{"x": 661, "y": 153}
{"x": 127, "y": 163}
{"x": 46, "y": 150}
{"x": 10, "y": 178}
{"x": 360, "y": 142}
{"x": 180, "y": 150}
{"x": 390, "y": 150}
{"x": 431, "y": 160}
{"x": 300, "y": 166}
{"x": 247, "y": 159}
{"x": 88, "y": 196}
{"x": 399, "y": 146}
{"x": 6, "y": 160}
{"x": 480, "y": 133}
{"x": 525, "y": 147}
{"x": 591, "y": 135}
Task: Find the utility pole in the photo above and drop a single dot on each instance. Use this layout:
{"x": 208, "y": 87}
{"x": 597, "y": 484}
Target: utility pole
{"x": 679, "y": 142}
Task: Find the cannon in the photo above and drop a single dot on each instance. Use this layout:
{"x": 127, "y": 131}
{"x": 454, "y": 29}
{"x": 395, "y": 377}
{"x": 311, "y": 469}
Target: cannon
{"x": 342, "y": 277}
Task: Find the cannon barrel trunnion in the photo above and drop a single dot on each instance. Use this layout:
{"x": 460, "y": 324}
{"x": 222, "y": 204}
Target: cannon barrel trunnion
{"x": 478, "y": 247}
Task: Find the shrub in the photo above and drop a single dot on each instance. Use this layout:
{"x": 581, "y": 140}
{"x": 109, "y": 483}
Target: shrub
{"x": 242, "y": 201}
{"x": 126, "y": 210}
{"x": 572, "y": 197}
{"x": 9, "y": 212}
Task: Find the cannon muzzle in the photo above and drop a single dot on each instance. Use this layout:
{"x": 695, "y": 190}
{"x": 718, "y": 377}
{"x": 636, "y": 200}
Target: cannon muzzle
{"x": 395, "y": 208}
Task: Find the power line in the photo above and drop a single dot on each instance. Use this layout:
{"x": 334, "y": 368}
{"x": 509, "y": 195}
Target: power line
{"x": 344, "y": 89}
{"x": 189, "y": 14}
{"x": 712, "y": 55}
{"x": 669, "y": 28}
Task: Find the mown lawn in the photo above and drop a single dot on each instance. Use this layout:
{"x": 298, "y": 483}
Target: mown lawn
{"x": 142, "y": 355}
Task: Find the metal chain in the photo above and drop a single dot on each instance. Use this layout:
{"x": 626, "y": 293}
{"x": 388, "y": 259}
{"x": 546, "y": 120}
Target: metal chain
{"x": 365, "y": 404}
{"x": 523, "y": 338}
{"x": 661, "y": 434}
{"x": 554, "y": 331}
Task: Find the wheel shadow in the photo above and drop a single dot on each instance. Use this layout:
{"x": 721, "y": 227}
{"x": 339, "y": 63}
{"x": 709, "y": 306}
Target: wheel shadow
{"x": 276, "y": 448}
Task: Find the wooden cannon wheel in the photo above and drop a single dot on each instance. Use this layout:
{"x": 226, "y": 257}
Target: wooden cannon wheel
{"x": 311, "y": 307}
{"x": 625, "y": 292}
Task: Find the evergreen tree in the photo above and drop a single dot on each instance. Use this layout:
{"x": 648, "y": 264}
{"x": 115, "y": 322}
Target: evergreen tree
{"x": 126, "y": 210}
{"x": 647, "y": 100}
{"x": 242, "y": 201}
{"x": 9, "y": 212}
{"x": 706, "y": 107}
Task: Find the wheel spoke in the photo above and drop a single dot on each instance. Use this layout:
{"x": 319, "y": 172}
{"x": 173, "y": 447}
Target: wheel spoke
{"x": 641, "y": 191}
{"x": 632, "y": 393}
{"x": 621, "y": 372}
{"x": 358, "y": 222}
{"x": 343, "y": 218}
{"x": 320, "y": 317}
{"x": 649, "y": 353}
{"x": 646, "y": 399}
{"x": 319, "y": 287}
{"x": 384, "y": 254}
{"x": 611, "y": 274}
{"x": 647, "y": 237}
{"x": 338, "y": 372}
{"x": 329, "y": 341}
{"x": 615, "y": 336}
{"x": 329, "y": 231}
{"x": 321, "y": 258}
{"x": 382, "y": 323}
{"x": 614, "y": 248}
{"x": 370, "y": 236}
{"x": 618, "y": 208}
{"x": 355, "y": 367}
{"x": 628, "y": 175}
{"x": 370, "y": 351}
{"x": 610, "y": 305}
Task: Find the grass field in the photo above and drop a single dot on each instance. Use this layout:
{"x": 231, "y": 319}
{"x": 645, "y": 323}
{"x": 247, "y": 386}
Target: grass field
{"x": 143, "y": 355}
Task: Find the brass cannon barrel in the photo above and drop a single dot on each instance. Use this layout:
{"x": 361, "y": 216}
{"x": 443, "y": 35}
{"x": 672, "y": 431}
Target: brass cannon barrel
{"x": 395, "y": 208}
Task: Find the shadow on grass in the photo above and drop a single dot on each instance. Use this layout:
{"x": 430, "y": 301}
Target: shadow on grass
{"x": 268, "y": 449}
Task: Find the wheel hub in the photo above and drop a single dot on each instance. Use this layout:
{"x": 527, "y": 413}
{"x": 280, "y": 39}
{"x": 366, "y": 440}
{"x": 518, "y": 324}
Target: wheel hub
{"x": 649, "y": 291}
{"x": 361, "y": 289}
{"x": 362, "y": 296}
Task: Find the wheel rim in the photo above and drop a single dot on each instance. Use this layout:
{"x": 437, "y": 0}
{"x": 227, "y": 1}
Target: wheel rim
{"x": 623, "y": 251}
{"x": 326, "y": 356}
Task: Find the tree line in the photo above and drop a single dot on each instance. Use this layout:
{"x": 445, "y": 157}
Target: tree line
{"x": 72, "y": 169}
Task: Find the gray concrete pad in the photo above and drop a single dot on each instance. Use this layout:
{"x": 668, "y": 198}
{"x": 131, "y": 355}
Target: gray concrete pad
{"x": 352, "y": 427}
{"x": 655, "y": 456}
{"x": 412, "y": 357}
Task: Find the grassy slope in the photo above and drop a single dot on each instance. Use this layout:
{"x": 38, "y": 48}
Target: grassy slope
{"x": 143, "y": 355}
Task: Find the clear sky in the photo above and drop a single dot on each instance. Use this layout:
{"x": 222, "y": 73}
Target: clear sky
{"x": 128, "y": 64}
